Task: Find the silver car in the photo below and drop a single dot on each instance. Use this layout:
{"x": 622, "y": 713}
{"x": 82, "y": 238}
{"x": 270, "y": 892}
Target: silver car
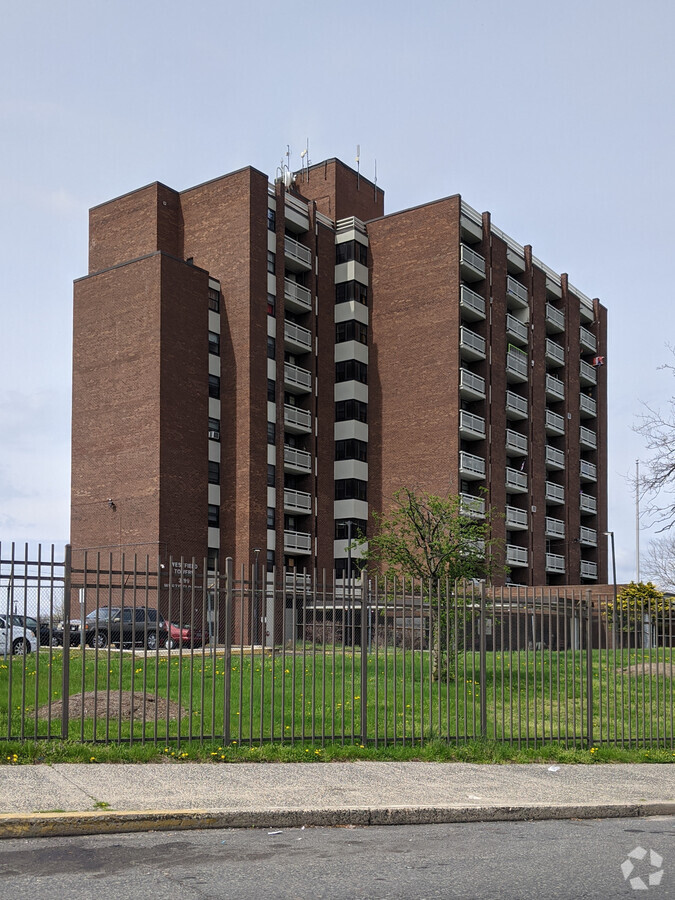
{"x": 14, "y": 638}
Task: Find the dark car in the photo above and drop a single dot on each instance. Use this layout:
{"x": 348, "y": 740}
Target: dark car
{"x": 42, "y": 630}
{"x": 122, "y": 625}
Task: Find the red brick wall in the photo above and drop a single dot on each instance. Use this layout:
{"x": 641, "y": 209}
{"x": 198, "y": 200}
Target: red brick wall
{"x": 339, "y": 193}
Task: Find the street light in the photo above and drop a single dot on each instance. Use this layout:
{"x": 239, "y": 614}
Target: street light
{"x": 610, "y": 535}
{"x": 256, "y": 607}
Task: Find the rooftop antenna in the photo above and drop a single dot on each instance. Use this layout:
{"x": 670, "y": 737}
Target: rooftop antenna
{"x": 305, "y": 156}
{"x": 375, "y": 182}
{"x": 288, "y": 157}
{"x": 358, "y": 161}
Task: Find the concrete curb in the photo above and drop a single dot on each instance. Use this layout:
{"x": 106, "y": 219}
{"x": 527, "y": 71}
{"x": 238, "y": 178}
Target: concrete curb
{"x": 58, "y": 824}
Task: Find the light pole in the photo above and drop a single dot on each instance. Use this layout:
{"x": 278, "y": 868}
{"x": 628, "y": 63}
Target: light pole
{"x": 610, "y": 535}
{"x": 256, "y": 607}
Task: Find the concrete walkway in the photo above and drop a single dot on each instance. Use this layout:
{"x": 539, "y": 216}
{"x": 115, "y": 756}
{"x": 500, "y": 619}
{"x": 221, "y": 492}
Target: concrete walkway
{"x": 89, "y": 799}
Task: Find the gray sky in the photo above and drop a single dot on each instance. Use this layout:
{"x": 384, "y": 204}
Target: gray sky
{"x": 558, "y": 118}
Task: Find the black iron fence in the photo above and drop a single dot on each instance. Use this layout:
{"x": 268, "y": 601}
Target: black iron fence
{"x": 120, "y": 647}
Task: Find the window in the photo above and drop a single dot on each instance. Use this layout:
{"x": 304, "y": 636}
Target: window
{"x": 351, "y": 250}
{"x": 271, "y": 305}
{"x": 271, "y": 220}
{"x": 342, "y": 570}
{"x": 214, "y": 343}
{"x": 271, "y": 433}
{"x": 342, "y": 529}
{"x": 271, "y": 347}
{"x": 351, "y": 331}
{"x": 351, "y": 290}
{"x": 214, "y": 387}
{"x": 214, "y": 515}
{"x": 271, "y": 475}
{"x": 351, "y": 449}
{"x": 351, "y": 370}
{"x": 351, "y": 489}
{"x": 271, "y": 562}
{"x": 214, "y": 472}
{"x": 271, "y": 262}
{"x": 212, "y": 559}
{"x": 271, "y": 390}
{"x": 214, "y": 300}
{"x": 270, "y": 517}
{"x": 351, "y": 409}
{"x": 214, "y": 428}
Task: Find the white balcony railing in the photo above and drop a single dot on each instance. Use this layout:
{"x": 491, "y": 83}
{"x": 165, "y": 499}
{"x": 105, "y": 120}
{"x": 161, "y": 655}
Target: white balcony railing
{"x": 297, "y": 501}
{"x": 515, "y": 329}
{"x": 587, "y": 406}
{"x": 588, "y": 569}
{"x": 516, "y": 518}
{"x": 588, "y": 471}
{"x": 297, "y": 335}
{"x": 516, "y": 443}
{"x": 297, "y": 253}
{"x": 516, "y": 481}
{"x": 555, "y": 388}
{"x": 297, "y": 460}
{"x": 587, "y": 374}
{"x": 471, "y": 345}
{"x": 516, "y": 556}
{"x": 471, "y": 427}
{"x": 471, "y": 304}
{"x": 554, "y": 353}
{"x": 554, "y": 493}
{"x": 555, "y": 320}
{"x": 471, "y": 385}
{"x": 472, "y": 264}
{"x": 516, "y": 293}
{"x": 555, "y": 562}
{"x": 516, "y": 364}
{"x": 297, "y": 297}
{"x": 554, "y": 528}
{"x": 588, "y": 504}
{"x": 516, "y": 406}
{"x": 555, "y": 459}
{"x": 588, "y": 438}
{"x": 587, "y": 340}
{"x": 297, "y": 542}
{"x": 554, "y": 423}
{"x": 472, "y": 507}
{"x": 471, "y": 466}
{"x": 297, "y": 379}
{"x": 297, "y": 420}
{"x": 588, "y": 536}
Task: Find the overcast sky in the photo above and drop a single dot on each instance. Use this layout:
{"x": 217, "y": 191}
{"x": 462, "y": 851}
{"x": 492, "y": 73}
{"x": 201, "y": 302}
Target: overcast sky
{"x": 558, "y": 118}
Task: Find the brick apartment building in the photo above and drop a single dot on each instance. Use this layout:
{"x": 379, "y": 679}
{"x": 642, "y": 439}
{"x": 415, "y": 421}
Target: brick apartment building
{"x": 256, "y": 366}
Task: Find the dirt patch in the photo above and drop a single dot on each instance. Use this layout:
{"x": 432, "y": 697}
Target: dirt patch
{"x": 649, "y": 669}
{"x": 115, "y": 707}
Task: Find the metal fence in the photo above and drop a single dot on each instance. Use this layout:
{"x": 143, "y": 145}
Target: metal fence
{"x": 136, "y": 649}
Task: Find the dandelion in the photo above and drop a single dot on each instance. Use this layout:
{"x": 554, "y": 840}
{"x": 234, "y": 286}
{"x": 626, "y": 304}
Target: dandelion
{"x": 92, "y": 759}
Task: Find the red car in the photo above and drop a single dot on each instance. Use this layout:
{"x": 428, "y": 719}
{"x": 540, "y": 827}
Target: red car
{"x": 185, "y": 636}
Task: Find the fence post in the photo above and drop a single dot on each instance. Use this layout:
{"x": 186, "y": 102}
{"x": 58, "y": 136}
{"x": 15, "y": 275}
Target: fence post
{"x": 227, "y": 653}
{"x": 483, "y": 667}
{"x": 589, "y": 671}
{"x": 365, "y": 609}
{"x": 65, "y": 669}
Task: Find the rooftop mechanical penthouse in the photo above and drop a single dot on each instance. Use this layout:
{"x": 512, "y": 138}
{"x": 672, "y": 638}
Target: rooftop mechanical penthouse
{"x": 256, "y": 366}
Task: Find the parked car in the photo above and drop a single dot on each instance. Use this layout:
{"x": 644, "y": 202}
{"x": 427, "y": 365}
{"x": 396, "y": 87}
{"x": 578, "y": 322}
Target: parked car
{"x": 184, "y": 636}
{"x": 44, "y": 633}
{"x": 122, "y": 625}
{"x": 16, "y": 638}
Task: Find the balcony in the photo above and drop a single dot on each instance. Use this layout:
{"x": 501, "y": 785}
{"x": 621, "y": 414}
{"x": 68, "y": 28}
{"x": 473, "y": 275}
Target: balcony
{"x": 516, "y": 519}
{"x": 298, "y": 502}
{"x": 472, "y": 507}
{"x": 588, "y": 505}
{"x": 554, "y": 424}
{"x": 471, "y": 304}
{"x": 516, "y": 330}
{"x": 555, "y": 459}
{"x": 516, "y": 407}
{"x": 554, "y": 493}
{"x": 297, "y": 338}
{"x": 296, "y": 214}
{"x": 297, "y": 461}
{"x": 555, "y": 320}
{"x": 588, "y": 408}
{"x": 516, "y": 444}
{"x": 588, "y": 471}
{"x": 471, "y": 427}
{"x": 297, "y": 542}
{"x": 296, "y": 420}
{"x": 554, "y": 528}
{"x": 297, "y": 380}
{"x": 588, "y": 438}
{"x": 516, "y": 556}
{"x": 471, "y": 467}
{"x": 516, "y": 482}
{"x": 588, "y": 569}
{"x": 588, "y": 536}
{"x": 587, "y": 374}
{"x": 516, "y": 365}
{"x": 555, "y": 563}
{"x": 297, "y": 298}
{"x": 471, "y": 386}
{"x": 555, "y": 388}
{"x": 516, "y": 293}
{"x": 471, "y": 264}
{"x": 587, "y": 340}
{"x": 471, "y": 345}
{"x": 554, "y": 353}
{"x": 297, "y": 258}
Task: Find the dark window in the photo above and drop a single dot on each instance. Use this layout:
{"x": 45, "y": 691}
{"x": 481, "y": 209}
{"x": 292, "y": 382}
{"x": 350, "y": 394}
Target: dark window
{"x": 271, "y": 433}
{"x": 271, "y": 390}
{"x": 351, "y": 250}
{"x": 271, "y": 262}
{"x": 270, "y": 559}
{"x": 351, "y": 331}
{"x": 271, "y": 475}
{"x": 351, "y": 409}
{"x": 214, "y": 386}
{"x": 351, "y": 489}
{"x": 351, "y": 449}
{"x": 212, "y": 558}
{"x": 214, "y": 428}
{"x": 214, "y": 343}
{"x": 214, "y": 300}
{"x": 342, "y": 529}
{"x": 270, "y": 517}
{"x": 351, "y": 290}
{"x": 214, "y": 472}
{"x": 341, "y": 568}
{"x": 351, "y": 370}
{"x": 271, "y": 305}
{"x": 214, "y": 515}
{"x": 271, "y": 347}
{"x": 271, "y": 220}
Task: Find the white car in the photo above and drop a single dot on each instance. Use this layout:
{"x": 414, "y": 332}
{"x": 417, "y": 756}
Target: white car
{"x": 14, "y": 639}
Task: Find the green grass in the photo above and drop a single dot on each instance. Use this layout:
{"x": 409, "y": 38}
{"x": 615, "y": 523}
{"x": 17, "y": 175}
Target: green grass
{"x": 531, "y": 698}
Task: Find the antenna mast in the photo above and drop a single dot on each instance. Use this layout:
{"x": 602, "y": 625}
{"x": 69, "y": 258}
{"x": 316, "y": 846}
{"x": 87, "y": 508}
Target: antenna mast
{"x": 358, "y": 166}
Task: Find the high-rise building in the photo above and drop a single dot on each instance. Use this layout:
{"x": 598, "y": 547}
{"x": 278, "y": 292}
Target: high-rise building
{"x": 258, "y": 367}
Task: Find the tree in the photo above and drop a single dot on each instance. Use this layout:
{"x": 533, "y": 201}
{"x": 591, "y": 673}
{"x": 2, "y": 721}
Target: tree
{"x": 659, "y": 563}
{"x": 640, "y": 609}
{"x": 436, "y": 539}
{"x": 658, "y": 428}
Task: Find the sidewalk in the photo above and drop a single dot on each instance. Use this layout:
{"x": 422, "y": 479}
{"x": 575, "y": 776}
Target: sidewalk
{"x": 90, "y": 799}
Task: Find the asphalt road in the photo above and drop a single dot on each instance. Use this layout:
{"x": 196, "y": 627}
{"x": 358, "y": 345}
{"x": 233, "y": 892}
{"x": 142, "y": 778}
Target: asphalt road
{"x": 557, "y": 859}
